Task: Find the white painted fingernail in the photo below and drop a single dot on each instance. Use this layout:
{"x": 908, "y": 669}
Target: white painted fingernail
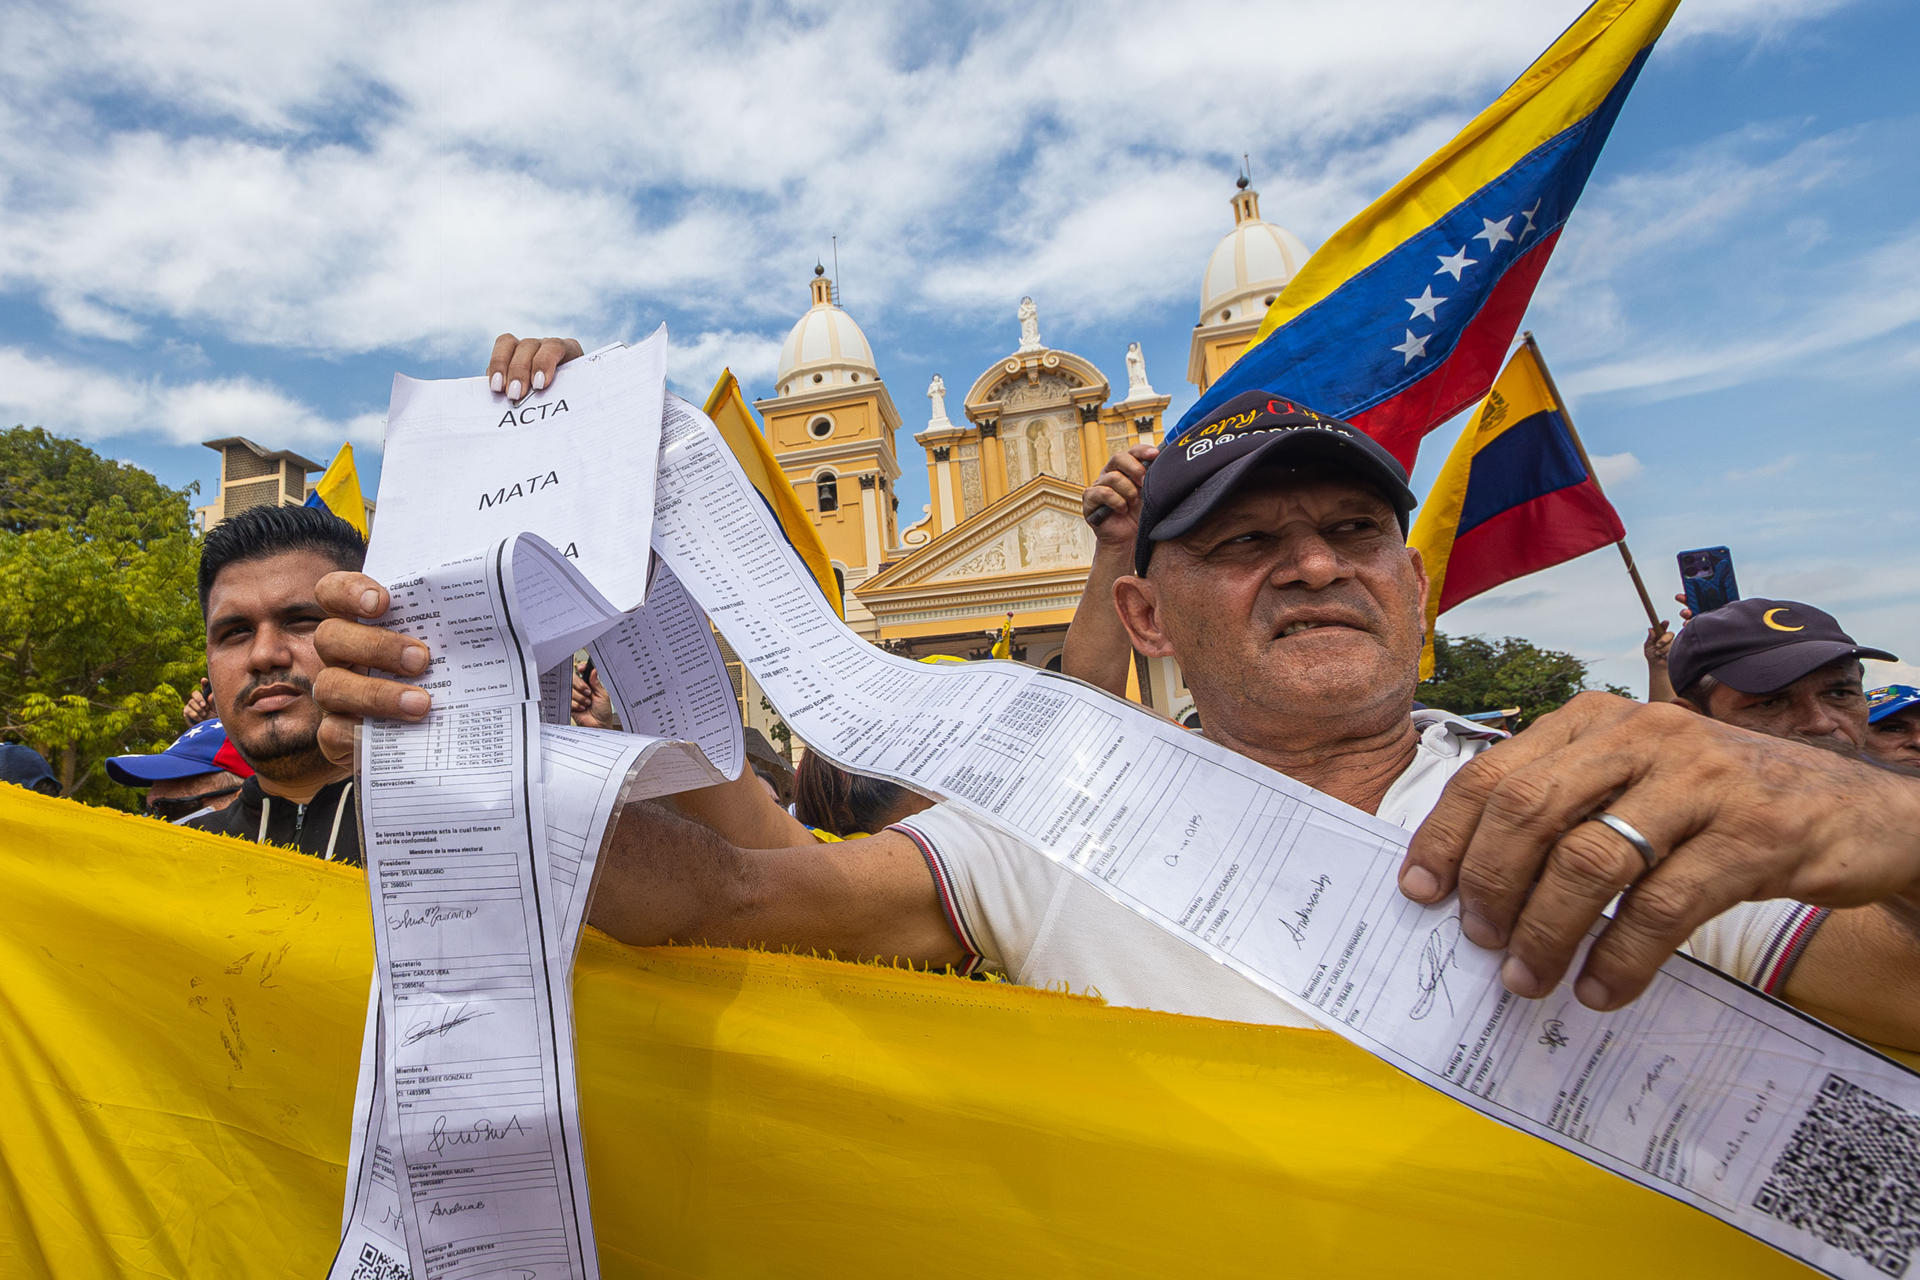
{"x": 513, "y": 389}
{"x": 539, "y": 379}
{"x": 498, "y": 379}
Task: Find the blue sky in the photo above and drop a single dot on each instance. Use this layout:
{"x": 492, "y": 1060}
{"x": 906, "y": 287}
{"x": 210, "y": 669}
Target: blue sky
{"x": 216, "y": 221}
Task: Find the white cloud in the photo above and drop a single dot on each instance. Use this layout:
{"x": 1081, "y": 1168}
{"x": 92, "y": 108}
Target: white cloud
{"x": 1765, "y": 471}
{"x": 357, "y": 177}
{"x": 1614, "y": 470}
{"x": 1856, "y": 300}
{"x": 1880, "y": 674}
{"x": 695, "y": 363}
{"x": 70, "y": 399}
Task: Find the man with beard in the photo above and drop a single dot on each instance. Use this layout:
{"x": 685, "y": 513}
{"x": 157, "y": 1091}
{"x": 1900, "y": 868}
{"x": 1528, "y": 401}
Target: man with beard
{"x": 258, "y": 572}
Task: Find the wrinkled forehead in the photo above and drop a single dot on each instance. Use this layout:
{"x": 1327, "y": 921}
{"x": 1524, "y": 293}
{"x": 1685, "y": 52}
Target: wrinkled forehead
{"x": 1279, "y": 493}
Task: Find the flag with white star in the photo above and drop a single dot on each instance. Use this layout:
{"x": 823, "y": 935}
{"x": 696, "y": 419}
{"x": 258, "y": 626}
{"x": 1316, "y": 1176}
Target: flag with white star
{"x": 1404, "y": 316}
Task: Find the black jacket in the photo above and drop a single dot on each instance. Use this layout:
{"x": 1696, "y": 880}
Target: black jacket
{"x": 327, "y": 827}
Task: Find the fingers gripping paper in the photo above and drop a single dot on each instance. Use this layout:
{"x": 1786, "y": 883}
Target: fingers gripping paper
{"x": 1702, "y": 1089}
{"x": 482, "y": 826}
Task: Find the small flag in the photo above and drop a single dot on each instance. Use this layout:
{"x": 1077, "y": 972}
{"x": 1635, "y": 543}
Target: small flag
{"x": 339, "y": 491}
{"x": 1516, "y": 496}
{"x": 729, "y": 411}
{"x": 1402, "y": 317}
{"x": 1003, "y": 644}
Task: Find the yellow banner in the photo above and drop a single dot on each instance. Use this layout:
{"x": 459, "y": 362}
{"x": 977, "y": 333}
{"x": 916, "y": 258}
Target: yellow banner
{"x": 180, "y": 1020}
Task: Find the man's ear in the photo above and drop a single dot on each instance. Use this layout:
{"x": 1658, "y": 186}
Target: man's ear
{"x": 1420, "y": 573}
{"x": 1138, "y": 604}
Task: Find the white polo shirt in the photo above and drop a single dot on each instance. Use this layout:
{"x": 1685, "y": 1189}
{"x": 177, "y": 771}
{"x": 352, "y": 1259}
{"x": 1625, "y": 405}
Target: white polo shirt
{"x": 1020, "y": 913}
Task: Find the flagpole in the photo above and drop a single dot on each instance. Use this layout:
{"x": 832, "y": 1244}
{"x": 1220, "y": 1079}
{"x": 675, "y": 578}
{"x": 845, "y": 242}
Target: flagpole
{"x": 1633, "y": 570}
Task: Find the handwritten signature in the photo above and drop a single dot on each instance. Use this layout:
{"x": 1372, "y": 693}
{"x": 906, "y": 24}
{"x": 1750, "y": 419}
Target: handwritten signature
{"x": 1436, "y": 957}
{"x": 432, "y": 917}
{"x": 452, "y": 1018}
{"x": 482, "y": 1130}
{"x": 1651, "y": 1079}
{"x": 1553, "y": 1032}
{"x": 1303, "y": 914}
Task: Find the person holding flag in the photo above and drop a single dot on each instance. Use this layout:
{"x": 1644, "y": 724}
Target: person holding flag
{"x": 1399, "y": 321}
{"x": 1003, "y": 642}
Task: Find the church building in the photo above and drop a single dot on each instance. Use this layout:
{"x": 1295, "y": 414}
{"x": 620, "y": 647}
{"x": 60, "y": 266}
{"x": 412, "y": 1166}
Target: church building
{"x": 1006, "y": 460}
{"x": 1002, "y": 531}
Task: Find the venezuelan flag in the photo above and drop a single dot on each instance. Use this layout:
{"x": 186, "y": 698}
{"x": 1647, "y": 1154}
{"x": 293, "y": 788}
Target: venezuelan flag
{"x": 1516, "y": 496}
{"x": 339, "y": 491}
{"x": 1003, "y": 643}
{"x": 1402, "y": 317}
{"x": 729, "y": 411}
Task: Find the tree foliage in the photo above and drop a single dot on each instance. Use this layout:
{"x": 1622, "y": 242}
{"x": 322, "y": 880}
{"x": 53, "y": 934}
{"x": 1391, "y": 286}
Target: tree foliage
{"x": 100, "y": 627}
{"x": 1472, "y": 673}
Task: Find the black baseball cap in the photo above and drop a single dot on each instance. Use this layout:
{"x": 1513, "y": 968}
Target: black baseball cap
{"x": 1202, "y": 469}
{"x": 1757, "y": 646}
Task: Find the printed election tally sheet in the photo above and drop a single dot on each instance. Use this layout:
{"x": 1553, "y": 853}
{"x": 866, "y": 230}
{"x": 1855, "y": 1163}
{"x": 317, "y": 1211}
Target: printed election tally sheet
{"x": 482, "y": 828}
{"x": 1703, "y": 1089}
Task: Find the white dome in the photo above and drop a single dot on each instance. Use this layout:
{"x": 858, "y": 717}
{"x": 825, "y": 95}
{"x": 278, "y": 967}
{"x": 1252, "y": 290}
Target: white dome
{"x": 825, "y": 348}
{"x": 1249, "y": 266}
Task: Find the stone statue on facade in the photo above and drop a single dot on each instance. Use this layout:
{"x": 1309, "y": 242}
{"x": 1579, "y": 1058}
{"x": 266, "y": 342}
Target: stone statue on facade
{"x": 1137, "y": 387}
{"x": 1029, "y": 325}
{"x": 937, "y": 392}
{"x": 1042, "y": 449}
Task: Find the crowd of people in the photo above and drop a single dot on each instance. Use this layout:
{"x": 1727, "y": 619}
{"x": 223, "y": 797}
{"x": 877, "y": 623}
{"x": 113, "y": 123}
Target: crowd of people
{"x": 1761, "y": 812}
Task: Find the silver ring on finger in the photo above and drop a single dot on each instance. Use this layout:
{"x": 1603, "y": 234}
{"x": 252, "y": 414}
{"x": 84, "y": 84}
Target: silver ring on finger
{"x": 1628, "y": 832}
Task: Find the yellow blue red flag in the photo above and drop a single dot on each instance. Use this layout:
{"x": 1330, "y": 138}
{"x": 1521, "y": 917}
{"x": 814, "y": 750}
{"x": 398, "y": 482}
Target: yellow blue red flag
{"x": 1516, "y": 496}
{"x": 729, "y": 411}
{"x": 339, "y": 491}
{"x": 1399, "y": 321}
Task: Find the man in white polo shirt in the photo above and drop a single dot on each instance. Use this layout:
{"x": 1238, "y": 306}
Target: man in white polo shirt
{"x": 1272, "y": 563}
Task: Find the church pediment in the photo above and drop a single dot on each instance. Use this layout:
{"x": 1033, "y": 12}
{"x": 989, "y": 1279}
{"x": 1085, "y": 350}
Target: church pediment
{"x": 1035, "y": 530}
{"x": 1035, "y": 380}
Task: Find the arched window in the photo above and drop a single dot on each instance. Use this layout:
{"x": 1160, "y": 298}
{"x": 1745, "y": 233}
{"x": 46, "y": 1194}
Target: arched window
{"x": 826, "y": 489}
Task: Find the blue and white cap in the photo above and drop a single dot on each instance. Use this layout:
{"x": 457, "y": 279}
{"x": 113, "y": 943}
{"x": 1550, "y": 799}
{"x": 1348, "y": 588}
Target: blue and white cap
{"x": 191, "y": 754}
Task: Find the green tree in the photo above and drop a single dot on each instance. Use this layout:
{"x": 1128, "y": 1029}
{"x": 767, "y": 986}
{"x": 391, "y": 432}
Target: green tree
{"x": 100, "y": 628}
{"x": 1472, "y": 673}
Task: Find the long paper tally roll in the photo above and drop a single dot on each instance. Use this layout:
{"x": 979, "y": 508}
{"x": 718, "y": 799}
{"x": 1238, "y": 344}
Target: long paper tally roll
{"x": 180, "y": 1016}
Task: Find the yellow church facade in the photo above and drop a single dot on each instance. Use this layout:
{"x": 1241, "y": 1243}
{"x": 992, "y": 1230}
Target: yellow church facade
{"x": 1006, "y": 461}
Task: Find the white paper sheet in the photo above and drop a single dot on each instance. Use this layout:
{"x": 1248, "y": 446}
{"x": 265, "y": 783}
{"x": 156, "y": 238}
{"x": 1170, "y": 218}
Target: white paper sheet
{"x": 482, "y": 825}
{"x": 1704, "y": 1090}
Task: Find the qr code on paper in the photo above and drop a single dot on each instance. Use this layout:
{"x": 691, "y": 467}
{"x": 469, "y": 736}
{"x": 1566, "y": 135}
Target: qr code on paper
{"x": 375, "y": 1265}
{"x": 1851, "y": 1176}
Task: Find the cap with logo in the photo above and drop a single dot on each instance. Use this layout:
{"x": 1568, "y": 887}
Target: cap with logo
{"x": 1195, "y": 475}
{"x": 1757, "y": 646}
{"x": 201, "y": 749}
{"x": 1890, "y": 701}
